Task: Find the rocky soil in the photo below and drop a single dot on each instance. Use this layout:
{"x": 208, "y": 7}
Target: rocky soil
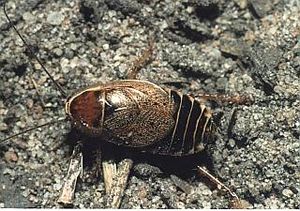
{"x": 245, "y": 47}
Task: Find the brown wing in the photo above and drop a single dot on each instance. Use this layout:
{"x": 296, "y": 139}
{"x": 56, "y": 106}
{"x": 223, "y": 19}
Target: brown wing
{"x": 149, "y": 127}
{"x": 145, "y": 119}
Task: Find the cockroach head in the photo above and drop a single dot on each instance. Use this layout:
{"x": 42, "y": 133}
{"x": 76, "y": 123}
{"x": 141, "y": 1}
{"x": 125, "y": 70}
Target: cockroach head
{"x": 85, "y": 109}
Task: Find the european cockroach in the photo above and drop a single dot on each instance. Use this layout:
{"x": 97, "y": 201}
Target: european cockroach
{"x": 140, "y": 114}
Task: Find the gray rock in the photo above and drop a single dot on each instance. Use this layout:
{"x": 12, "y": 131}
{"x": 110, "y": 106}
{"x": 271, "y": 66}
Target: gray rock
{"x": 287, "y": 192}
{"x": 261, "y": 8}
{"x": 55, "y": 18}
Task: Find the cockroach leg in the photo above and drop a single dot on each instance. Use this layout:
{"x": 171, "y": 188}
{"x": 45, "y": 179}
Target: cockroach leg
{"x": 175, "y": 83}
{"x": 232, "y": 122}
{"x": 38, "y": 92}
{"x": 235, "y": 200}
{"x": 145, "y": 58}
{"x": 223, "y": 98}
{"x": 119, "y": 183}
{"x": 75, "y": 170}
{"x": 98, "y": 163}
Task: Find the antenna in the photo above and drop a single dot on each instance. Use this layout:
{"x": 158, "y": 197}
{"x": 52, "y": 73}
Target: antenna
{"x": 35, "y": 56}
{"x": 3, "y": 141}
{"x": 60, "y": 89}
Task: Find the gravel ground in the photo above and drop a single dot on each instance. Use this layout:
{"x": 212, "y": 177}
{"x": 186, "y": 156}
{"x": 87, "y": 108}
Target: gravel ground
{"x": 242, "y": 47}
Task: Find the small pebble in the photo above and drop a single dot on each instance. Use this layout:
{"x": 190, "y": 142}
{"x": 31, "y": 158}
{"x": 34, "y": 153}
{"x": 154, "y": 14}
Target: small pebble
{"x": 231, "y": 143}
{"x": 105, "y": 46}
{"x": 58, "y": 52}
{"x": 55, "y": 18}
{"x": 29, "y": 103}
{"x": 57, "y": 187}
{"x": 3, "y": 126}
{"x": 11, "y": 156}
{"x": 287, "y": 192}
{"x": 28, "y": 17}
{"x": 242, "y": 3}
{"x": 206, "y": 205}
{"x": 26, "y": 193}
{"x": 206, "y": 192}
{"x": 261, "y": 8}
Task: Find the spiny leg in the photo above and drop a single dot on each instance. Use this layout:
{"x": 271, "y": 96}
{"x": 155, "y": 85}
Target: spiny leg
{"x": 223, "y": 98}
{"x": 98, "y": 163}
{"x": 231, "y": 123}
{"x": 142, "y": 60}
{"x": 75, "y": 170}
{"x": 38, "y": 92}
{"x": 235, "y": 200}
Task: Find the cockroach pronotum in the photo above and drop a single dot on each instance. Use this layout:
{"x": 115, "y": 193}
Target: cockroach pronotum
{"x": 140, "y": 114}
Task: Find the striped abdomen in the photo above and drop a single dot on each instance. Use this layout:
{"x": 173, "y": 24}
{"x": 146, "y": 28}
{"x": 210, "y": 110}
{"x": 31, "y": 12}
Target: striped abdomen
{"x": 192, "y": 129}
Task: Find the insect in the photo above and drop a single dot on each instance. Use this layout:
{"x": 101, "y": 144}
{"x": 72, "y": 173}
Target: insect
{"x": 140, "y": 114}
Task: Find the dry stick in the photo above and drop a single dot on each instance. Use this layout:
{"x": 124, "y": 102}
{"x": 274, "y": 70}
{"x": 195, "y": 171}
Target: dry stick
{"x": 119, "y": 184}
{"x": 219, "y": 184}
{"x": 74, "y": 171}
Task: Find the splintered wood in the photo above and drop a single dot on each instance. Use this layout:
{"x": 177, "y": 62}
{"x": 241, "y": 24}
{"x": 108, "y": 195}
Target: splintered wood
{"x": 75, "y": 170}
{"x": 115, "y": 181}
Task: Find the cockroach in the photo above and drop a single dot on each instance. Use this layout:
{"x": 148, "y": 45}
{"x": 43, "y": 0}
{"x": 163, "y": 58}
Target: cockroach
{"x": 140, "y": 114}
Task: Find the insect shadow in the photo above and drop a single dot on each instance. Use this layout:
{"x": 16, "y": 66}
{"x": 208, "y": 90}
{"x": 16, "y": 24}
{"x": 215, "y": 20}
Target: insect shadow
{"x": 184, "y": 167}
